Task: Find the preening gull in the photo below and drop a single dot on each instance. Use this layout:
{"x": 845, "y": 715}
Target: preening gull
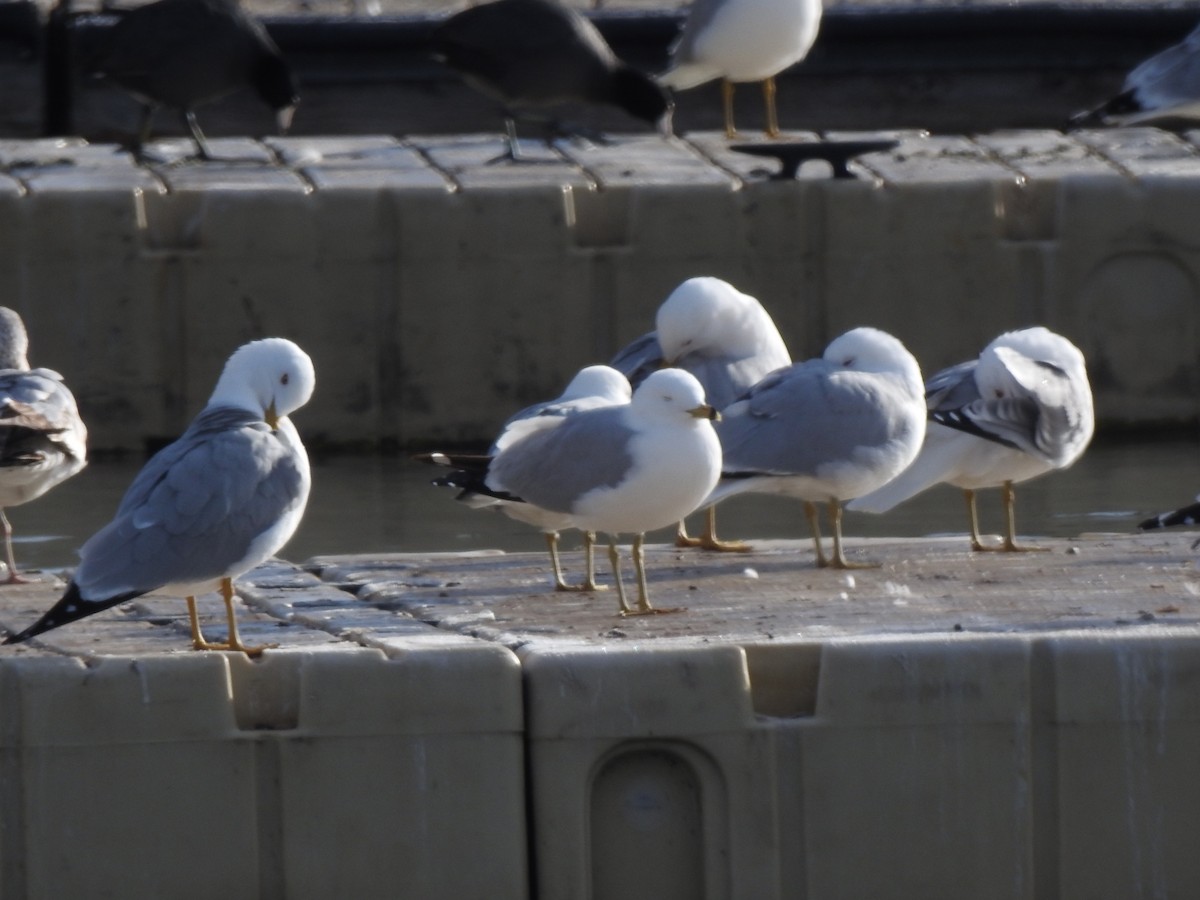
{"x": 223, "y": 498}
{"x": 184, "y": 53}
{"x": 826, "y": 430}
{"x": 742, "y": 40}
{"x": 42, "y": 439}
{"x": 723, "y": 337}
{"x": 1022, "y": 409}
{"x": 592, "y": 388}
{"x": 624, "y": 469}
{"x": 539, "y": 53}
{"x": 1165, "y": 86}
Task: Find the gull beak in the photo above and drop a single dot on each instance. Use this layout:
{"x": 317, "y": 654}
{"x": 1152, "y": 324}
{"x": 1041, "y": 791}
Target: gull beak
{"x": 283, "y": 118}
{"x": 271, "y": 416}
{"x": 705, "y": 412}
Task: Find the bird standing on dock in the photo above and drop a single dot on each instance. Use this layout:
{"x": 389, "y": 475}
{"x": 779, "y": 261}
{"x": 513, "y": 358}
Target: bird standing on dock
{"x": 184, "y": 53}
{"x": 826, "y": 430}
{"x": 594, "y": 387}
{"x": 1165, "y": 86}
{"x": 1022, "y": 409}
{"x": 739, "y": 41}
{"x": 224, "y": 497}
{"x": 621, "y": 469}
{"x": 538, "y": 53}
{"x": 42, "y": 439}
{"x": 723, "y": 337}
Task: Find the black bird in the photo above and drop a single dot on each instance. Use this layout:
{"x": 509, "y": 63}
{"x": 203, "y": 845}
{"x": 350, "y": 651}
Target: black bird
{"x": 536, "y": 53}
{"x": 182, "y": 53}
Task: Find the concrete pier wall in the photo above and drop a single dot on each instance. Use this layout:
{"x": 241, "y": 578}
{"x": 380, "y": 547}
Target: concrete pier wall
{"x": 438, "y": 293}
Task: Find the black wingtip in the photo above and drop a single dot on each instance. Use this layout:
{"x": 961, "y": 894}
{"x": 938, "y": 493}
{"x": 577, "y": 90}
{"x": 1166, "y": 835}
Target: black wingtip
{"x": 70, "y": 607}
{"x": 1188, "y": 515}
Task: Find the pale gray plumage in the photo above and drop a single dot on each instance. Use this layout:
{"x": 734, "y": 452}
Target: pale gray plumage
{"x": 1165, "y": 86}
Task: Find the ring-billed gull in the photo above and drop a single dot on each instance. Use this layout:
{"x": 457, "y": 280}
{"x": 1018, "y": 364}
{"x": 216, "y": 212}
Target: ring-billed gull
{"x": 742, "y": 40}
{"x": 1165, "y": 86}
{"x": 539, "y": 53}
{"x": 826, "y": 430}
{"x": 1022, "y": 409}
{"x": 184, "y": 53}
{"x": 42, "y": 439}
{"x": 621, "y": 469}
{"x": 723, "y": 337}
{"x": 592, "y": 388}
{"x": 223, "y": 498}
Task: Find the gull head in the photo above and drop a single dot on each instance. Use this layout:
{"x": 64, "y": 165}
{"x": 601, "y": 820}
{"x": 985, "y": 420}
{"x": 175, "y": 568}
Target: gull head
{"x": 272, "y": 378}
{"x": 710, "y": 317}
{"x": 672, "y": 394}
{"x": 598, "y": 381}
{"x": 14, "y": 342}
{"x": 875, "y": 351}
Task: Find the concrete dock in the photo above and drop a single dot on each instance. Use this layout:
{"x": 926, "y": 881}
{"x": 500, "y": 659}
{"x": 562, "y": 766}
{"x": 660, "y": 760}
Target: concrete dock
{"x": 947, "y": 725}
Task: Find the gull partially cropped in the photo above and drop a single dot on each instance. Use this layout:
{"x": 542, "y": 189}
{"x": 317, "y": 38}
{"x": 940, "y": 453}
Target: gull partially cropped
{"x": 624, "y": 469}
{"x": 594, "y": 387}
{"x": 826, "y": 430}
{"x": 1022, "y": 409}
{"x": 224, "y": 497}
{"x": 723, "y": 337}
{"x": 739, "y": 41}
{"x": 1165, "y": 86}
{"x": 1185, "y": 515}
{"x": 43, "y": 440}
{"x": 539, "y": 53}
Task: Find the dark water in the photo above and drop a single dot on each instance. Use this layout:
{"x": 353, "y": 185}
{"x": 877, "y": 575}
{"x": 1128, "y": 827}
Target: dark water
{"x": 386, "y": 504}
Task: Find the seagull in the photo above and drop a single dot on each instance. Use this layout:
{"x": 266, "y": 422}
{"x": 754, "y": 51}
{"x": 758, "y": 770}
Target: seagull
{"x": 742, "y": 40}
{"x": 593, "y": 387}
{"x": 1185, "y": 515}
{"x": 723, "y": 337}
{"x": 184, "y": 53}
{"x": 537, "y": 53}
{"x": 1022, "y": 409}
{"x": 826, "y": 430}
{"x": 1165, "y": 86}
{"x": 621, "y": 469}
{"x": 224, "y": 497}
{"x": 42, "y": 439}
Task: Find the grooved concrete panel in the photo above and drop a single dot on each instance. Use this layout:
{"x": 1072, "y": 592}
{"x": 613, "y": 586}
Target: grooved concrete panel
{"x": 438, "y": 290}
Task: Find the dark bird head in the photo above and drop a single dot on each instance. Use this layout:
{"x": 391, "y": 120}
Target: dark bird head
{"x": 276, "y": 85}
{"x": 642, "y": 97}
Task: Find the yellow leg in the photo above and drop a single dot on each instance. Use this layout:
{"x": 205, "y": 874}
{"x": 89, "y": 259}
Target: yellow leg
{"x": 234, "y": 640}
{"x": 614, "y": 559}
{"x": 727, "y": 102}
{"x": 1009, "y": 496}
{"x": 810, "y": 513}
{"x": 552, "y": 545}
{"x": 839, "y": 558}
{"x": 768, "y": 89}
{"x": 977, "y": 543}
{"x": 589, "y": 581}
{"x": 639, "y": 567}
{"x": 709, "y": 540}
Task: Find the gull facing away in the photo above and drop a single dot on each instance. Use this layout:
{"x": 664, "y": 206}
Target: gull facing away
{"x": 1022, "y": 409}
{"x": 594, "y": 387}
{"x": 184, "y": 53}
{"x": 42, "y": 439}
{"x": 826, "y": 430}
{"x": 527, "y": 54}
{"x": 1165, "y": 86}
{"x": 623, "y": 469}
{"x": 739, "y": 41}
{"x": 723, "y": 337}
{"x": 226, "y": 496}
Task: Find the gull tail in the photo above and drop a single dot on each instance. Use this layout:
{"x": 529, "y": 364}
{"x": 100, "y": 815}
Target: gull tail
{"x": 925, "y": 471}
{"x": 1123, "y": 104}
{"x": 1188, "y": 515}
{"x": 72, "y": 606}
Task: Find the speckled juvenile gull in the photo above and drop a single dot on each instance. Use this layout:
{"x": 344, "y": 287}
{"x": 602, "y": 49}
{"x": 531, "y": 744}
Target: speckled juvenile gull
{"x": 723, "y": 337}
{"x": 539, "y": 53}
{"x": 185, "y": 53}
{"x": 1165, "y": 86}
{"x": 1023, "y": 408}
{"x": 826, "y": 430}
{"x": 224, "y": 497}
{"x": 43, "y": 440}
{"x": 621, "y": 469}
{"x": 592, "y": 388}
{"x": 742, "y": 40}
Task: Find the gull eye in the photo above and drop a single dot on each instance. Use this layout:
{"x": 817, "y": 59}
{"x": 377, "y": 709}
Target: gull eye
{"x": 283, "y": 379}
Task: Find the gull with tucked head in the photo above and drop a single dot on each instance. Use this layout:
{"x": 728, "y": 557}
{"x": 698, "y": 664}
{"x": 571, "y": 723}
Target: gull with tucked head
{"x": 223, "y": 498}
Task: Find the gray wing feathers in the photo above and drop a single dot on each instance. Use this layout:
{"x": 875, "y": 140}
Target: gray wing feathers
{"x": 1170, "y": 77}
{"x": 39, "y": 402}
{"x": 637, "y": 360}
{"x": 952, "y": 388}
{"x": 554, "y": 468}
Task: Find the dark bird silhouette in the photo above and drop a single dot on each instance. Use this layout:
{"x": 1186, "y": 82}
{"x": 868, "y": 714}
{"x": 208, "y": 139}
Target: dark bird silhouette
{"x": 537, "y": 53}
{"x": 184, "y": 53}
